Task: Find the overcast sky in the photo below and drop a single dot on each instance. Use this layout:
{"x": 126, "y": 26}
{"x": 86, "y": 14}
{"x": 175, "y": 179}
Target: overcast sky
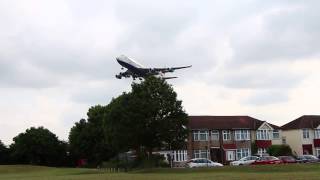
{"x": 256, "y": 58}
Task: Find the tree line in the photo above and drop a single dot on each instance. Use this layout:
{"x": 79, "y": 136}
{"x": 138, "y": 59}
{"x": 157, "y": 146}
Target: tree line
{"x": 147, "y": 118}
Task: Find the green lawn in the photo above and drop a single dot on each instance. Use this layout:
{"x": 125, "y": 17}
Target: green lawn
{"x": 297, "y": 171}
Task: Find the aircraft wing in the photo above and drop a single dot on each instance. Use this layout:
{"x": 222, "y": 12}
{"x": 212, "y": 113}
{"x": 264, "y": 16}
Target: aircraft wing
{"x": 165, "y": 70}
{"x": 169, "y": 77}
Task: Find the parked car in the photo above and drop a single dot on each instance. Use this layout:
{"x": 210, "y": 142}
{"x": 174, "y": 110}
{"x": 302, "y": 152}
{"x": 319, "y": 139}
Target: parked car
{"x": 266, "y": 160}
{"x": 244, "y": 161}
{"x": 307, "y": 159}
{"x": 287, "y": 159}
{"x": 201, "y": 162}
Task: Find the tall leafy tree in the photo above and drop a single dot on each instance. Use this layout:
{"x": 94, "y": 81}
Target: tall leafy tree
{"x": 4, "y": 154}
{"x": 148, "y": 117}
{"x": 38, "y": 146}
{"x": 87, "y": 139}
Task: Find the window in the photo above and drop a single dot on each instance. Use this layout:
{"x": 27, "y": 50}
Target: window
{"x": 305, "y": 133}
{"x": 284, "y": 140}
{"x": 318, "y": 152}
{"x": 276, "y": 134}
{"x": 214, "y": 135}
{"x": 180, "y": 155}
{"x": 226, "y": 135}
{"x": 262, "y": 151}
{"x": 317, "y": 133}
{"x": 242, "y": 135}
{"x": 241, "y": 153}
{"x": 230, "y": 155}
{"x": 263, "y": 134}
{"x": 201, "y": 153}
{"x": 200, "y": 135}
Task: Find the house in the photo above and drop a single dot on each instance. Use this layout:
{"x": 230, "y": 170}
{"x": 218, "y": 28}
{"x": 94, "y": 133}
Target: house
{"x": 303, "y": 135}
{"x": 228, "y": 138}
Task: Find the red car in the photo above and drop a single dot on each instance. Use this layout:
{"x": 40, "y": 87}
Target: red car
{"x": 287, "y": 159}
{"x": 266, "y": 160}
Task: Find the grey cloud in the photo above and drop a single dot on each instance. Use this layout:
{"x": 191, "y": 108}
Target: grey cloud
{"x": 262, "y": 80}
{"x": 267, "y": 97}
{"x": 288, "y": 32}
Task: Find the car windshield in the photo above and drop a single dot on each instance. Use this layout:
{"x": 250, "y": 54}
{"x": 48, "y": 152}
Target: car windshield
{"x": 244, "y": 159}
{"x": 311, "y": 157}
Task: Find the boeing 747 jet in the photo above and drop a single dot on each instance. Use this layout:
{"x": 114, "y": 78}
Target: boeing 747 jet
{"x": 135, "y": 70}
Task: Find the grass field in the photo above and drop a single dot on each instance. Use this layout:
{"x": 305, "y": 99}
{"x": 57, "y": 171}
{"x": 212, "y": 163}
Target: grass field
{"x": 296, "y": 171}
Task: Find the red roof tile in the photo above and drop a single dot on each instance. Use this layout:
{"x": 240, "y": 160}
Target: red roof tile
{"x": 225, "y": 122}
{"x": 306, "y": 121}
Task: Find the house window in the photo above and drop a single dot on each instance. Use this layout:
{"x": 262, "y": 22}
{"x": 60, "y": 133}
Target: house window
{"x": 317, "y": 133}
{"x": 305, "y": 133}
{"x": 318, "y": 152}
{"x": 263, "y": 134}
{"x": 243, "y": 153}
{"x": 276, "y": 134}
{"x": 242, "y": 135}
{"x": 214, "y": 135}
{"x": 200, "y": 135}
{"x": 262, "y": 151}
{"x": 180, "y": 156}
{"x": 230, "y": 155}
{"x": 201, "y": 153}
{"x": 284, "y": 140}
{"x": 226, "y": 135}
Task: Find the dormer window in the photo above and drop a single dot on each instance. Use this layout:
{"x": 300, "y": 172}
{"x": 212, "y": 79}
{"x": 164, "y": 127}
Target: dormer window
{"x": 263, "y": 134}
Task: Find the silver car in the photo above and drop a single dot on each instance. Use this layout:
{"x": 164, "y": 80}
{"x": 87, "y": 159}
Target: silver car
{"x": 202, "y": 162}
{"x": 244, "y": 161}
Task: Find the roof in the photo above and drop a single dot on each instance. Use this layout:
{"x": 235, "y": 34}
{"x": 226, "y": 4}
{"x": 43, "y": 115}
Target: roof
{"x": 226, "y": 122}
{"x": 306, "y": 121}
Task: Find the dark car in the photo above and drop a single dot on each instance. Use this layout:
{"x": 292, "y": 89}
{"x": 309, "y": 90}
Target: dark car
{"x": 307, "y": 159}
{"x": 266, "y": 160}
{"x": 287, "y": 159}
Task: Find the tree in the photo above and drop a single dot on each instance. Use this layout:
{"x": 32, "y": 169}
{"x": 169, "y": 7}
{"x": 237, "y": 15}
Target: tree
{"x": 4, "y": 154}
{"x": 87, "y": 139}
{"x": 148, "y": 117}
{"x": 38, "y": 146}
{"x": 279, "y": 150}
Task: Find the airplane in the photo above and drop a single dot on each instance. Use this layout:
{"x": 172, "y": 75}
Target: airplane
{"x": 136, "y": 70}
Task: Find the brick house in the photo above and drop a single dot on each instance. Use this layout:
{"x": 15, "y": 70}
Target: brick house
{"x": 303, "y": 135}
{"x": 227, "y": 138}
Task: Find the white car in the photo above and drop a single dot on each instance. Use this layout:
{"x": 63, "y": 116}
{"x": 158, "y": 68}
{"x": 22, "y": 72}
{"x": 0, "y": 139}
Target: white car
{"x": 244, "y": 161}
{"x": 202, "y": 162}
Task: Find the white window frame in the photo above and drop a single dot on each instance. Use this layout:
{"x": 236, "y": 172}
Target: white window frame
{"x": 180, "y": 156}
{"x": 215, "y": 133}
{"x": 284, "y": 140}
{"x": 233, "y": 154}
{"x": 305, "y": 134}
{"x": 262, "y": 151}
{"x": 197, "y": 135}
{"x": 317, "y": 133}
{"x": 276, "y": 131}
{"x": 243, "y": 152}
{"x": 263, "y": 134}
{"x": 200, "y": 153}
{"x": 317, "y": 152}
{"x": 226, "y": 134}
{"x": 242, "y": 134}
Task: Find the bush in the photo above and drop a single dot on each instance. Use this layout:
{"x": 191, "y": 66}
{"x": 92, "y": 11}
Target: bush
{"x": 279, "y": 150}
{"x": 142, "y": 162}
